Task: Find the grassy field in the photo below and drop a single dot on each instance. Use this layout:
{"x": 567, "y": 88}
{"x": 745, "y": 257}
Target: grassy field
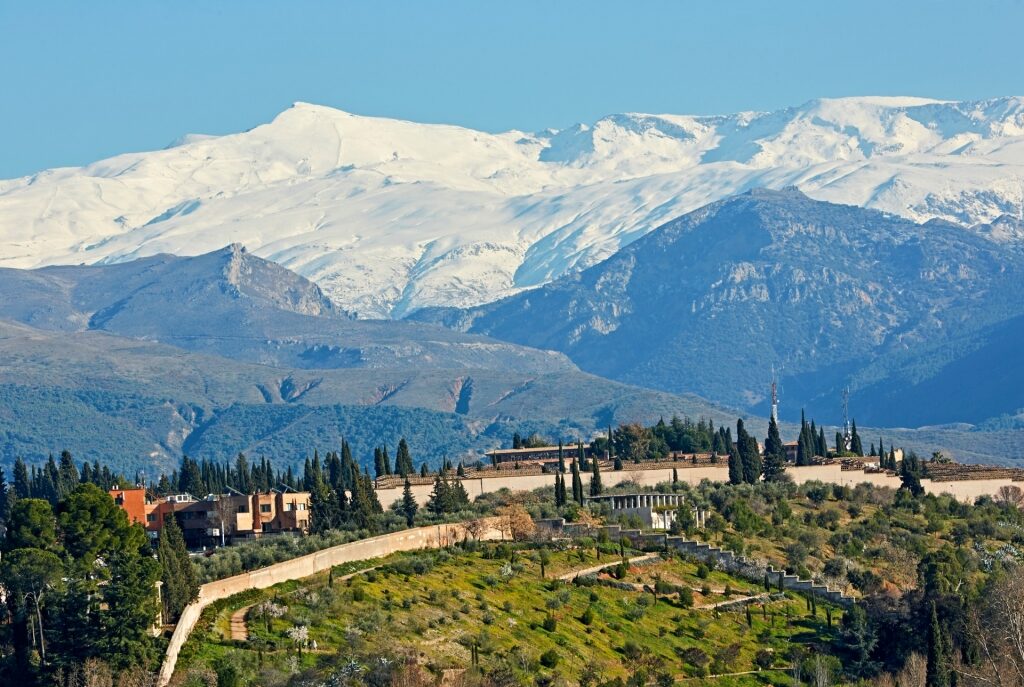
{"x": 447, "y": 610}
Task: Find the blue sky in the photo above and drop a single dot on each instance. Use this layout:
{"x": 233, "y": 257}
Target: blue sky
{"x": 82, "y": 81}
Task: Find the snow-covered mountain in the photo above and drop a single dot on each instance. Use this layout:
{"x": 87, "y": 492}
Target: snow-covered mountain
{"x": 390, "y": 216}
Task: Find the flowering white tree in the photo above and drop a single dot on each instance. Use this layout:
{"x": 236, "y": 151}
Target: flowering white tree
{"x": 299, "y": 635}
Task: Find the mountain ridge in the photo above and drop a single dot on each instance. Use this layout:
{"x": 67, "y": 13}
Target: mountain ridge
{"x": 831, "y": 295}
{"x": 388, "y": 216}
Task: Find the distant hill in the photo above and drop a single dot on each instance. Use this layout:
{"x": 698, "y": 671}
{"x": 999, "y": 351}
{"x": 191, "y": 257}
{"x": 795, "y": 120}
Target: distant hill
{"x": 235, "y": 304}
{"x": 920, "y": 321}
{"x": 135, "y": 363}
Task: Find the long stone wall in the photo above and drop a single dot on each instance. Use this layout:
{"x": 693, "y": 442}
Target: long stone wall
{"x": 962, "y": 490}
{"x": 433, "y": 536}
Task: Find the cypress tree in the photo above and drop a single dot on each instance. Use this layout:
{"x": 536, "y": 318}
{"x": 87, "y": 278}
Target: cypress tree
{"x": 803, "y": 450}
{"x": 403, "y": 459}
{"x": 735, "y": 467}
{"x": 424, "y": 471}
{"x": 67, "y": 475}
{"x": 577, "y": 483}
{"x": 750, "y": 458}
{"x": 385, "y": 459}
{"x": 21, "y": 482}
{"x": 561, "y": 457}
{"x": 774, "y": 453}
{"x": 378, "y": 463}
{"x": 180, "y": 586}
{"x": 938, "y": 671}
{"x": 822, "y": 444}
{"x": 595, "y": 479}
{"x": 855, "y": 445}
{"x": 409, "y": 505}
{"x": 6, "y": 502}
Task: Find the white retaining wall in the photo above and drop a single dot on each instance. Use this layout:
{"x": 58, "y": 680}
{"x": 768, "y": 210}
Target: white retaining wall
{"x": 433, "y": 536}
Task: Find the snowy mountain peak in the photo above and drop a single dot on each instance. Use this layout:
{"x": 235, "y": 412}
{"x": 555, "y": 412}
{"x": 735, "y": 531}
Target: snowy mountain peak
{"x": 388, "y": 216}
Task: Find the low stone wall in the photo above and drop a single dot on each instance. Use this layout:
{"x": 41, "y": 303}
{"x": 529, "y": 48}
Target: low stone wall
{"x": 741, "y": 566}
{"x": 430, "y": 537}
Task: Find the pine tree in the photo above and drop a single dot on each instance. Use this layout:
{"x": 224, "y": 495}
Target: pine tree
{"x": 409, "y": 505}
{"x": 595, "y": 479}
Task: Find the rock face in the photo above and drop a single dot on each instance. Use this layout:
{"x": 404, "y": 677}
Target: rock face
{"x": 233, "y": 304}
{"x": 390, "y": 216}
{"x": 915, "y": 318}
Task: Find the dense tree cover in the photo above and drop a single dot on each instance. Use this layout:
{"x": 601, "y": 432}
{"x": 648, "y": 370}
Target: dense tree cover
{"x": 448, "y": 496}
{"x": 80, "y": 586}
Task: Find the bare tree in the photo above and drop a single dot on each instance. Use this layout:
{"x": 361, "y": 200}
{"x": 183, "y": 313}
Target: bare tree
{"x": 476, "y": 528}
{"x": 514, "y": 520}
{"x": 996, "y": 628}
{"x": 915, "y": 671}
{"x": 1010, "y": 495}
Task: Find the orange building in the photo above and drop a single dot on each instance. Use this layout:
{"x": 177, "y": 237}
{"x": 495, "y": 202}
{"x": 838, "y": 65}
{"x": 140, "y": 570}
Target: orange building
{"x": 132, "y": 502}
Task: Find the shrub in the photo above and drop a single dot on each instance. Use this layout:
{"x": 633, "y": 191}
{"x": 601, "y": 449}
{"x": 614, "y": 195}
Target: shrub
{"x": 588, "y": 616}
{"x": 686, "y": 597}
{"x": 550, "y": 624}
{"x": 764, "y": 659}
{"x": 549, "y": 659}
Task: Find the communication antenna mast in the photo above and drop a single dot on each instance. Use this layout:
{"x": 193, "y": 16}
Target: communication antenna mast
{"x": 847, "y": 438}
{"x": 775, "y": 396}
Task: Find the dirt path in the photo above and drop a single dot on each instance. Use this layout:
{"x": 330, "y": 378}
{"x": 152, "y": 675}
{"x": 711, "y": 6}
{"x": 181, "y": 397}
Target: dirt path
{"x": 239, "y": 630}
{"x": 239, "y": 627}
{"x": 734, "y": 601}
{"x": 598, "y": 568}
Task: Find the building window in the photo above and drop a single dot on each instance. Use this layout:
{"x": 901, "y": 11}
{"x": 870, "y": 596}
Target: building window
{"x": 288, "y": 507}
{"x": 264, "y": 507}
{"x": 151, "y": 517}
{"x": 300, "y": 506}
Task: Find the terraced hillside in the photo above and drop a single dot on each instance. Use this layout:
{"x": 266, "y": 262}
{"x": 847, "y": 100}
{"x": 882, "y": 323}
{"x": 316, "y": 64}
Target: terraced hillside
{"x": 494, "y": 610}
